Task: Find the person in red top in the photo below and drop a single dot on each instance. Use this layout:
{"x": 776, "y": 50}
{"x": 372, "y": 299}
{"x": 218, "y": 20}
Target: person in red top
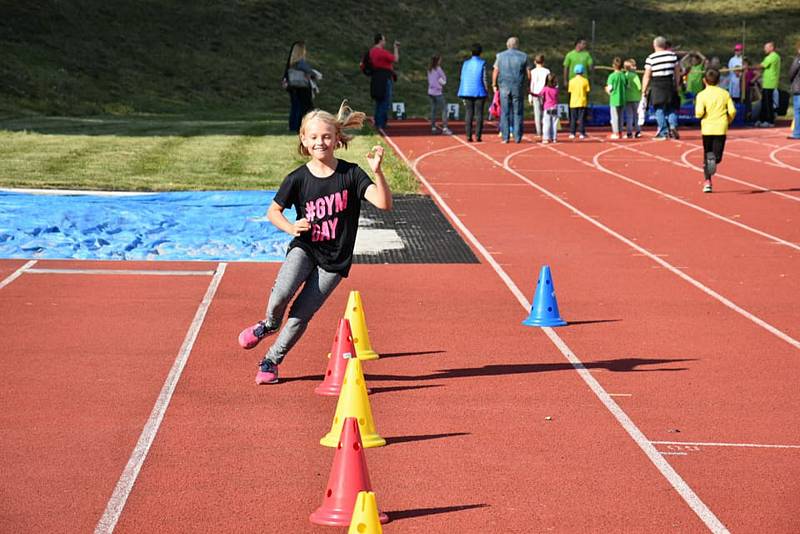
{"x": 383, "y": 76}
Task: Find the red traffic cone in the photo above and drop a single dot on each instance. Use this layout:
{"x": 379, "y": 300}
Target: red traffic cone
{"x": 341, "y": 351}
{"x": 348, "y": 477}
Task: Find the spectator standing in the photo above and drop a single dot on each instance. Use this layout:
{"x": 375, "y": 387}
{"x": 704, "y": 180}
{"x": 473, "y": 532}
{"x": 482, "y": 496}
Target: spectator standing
{"x": 538, "y": 80}
{"x": 616, "y": 88}
{"x": 549, "y": 96}
{"x": 578, "y": 89}
{"x": 382, "y": 83}
{"x": 298, "y": 78}
{"x": 794, "y": 79}
{"x": 579, "y": 56}
{"x": 633, "y": 95}
{"x": 771, "y": 73}
{"x": 436, "y": 82}
{"x": 472, "y": 89}
{"x": 662, "y": 74}
{"x": 510, "y": 78}
{"x": 734, "y": 82}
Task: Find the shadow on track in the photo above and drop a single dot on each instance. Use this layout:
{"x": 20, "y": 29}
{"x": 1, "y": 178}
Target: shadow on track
{"x": 622, "y": 365}
{"x": 420, "y": 512}
{"x": 423, "y": 437}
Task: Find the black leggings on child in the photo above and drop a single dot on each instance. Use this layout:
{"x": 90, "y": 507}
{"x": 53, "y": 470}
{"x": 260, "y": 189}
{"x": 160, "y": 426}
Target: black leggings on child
{"x": 715, "y": 144}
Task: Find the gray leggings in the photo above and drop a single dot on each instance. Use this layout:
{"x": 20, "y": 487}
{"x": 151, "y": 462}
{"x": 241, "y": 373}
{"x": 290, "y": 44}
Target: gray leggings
{"x": 298, "y": 268}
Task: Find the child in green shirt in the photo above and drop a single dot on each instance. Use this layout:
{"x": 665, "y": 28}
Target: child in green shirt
{"x": 633, "y": 95}
{"x": 615, "y": 87}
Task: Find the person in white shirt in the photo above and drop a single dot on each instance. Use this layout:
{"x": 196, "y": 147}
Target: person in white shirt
{"x": 734, "y": 82}
{"x": 538, "y": 78}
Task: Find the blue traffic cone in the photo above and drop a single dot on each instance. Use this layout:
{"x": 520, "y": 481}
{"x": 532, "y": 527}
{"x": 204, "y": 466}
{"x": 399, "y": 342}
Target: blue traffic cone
{"x": 544, "y": 311}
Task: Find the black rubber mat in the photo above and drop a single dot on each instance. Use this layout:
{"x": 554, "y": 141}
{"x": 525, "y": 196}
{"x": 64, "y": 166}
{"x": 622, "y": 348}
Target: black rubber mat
{"x": 422, "y": 234}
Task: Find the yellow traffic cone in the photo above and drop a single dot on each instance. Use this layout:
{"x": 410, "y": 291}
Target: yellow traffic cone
{"x": 353, "y": 402}
{"x": 365, "y": 515}
{"x": 358, "y": 325}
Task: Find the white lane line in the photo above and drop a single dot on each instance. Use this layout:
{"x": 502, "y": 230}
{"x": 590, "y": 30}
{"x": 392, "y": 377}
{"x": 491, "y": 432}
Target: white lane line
{"x": 680, "y": 485}
{"x": 621, "y": 395}
{"x": 439, "y": 151}
{"x": 675, "y": 270}
{"x": 674, "y": 453}
{"x": 125, "y": 483}
{"x": 774, "y": 157}
{"x": 597, "y": 165}
{"x": 685, "y": 156}
{"x": 120, "y": 272}
{"x": 711, "y": 444}
{"x": 701, "y": 209}
{"x": 16, "y": 274}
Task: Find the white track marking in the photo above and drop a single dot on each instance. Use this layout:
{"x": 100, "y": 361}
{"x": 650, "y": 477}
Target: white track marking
{"x": 655, "y": 257}
{"x": 126, "y": 481}
{"x": 683, "y": 489}
{"x": 685, "y": 159}
{"x": 701, "y": 209}
{"x": 16, "y": 274}
{"x": 774, "y": 157}
{"x": 120, "y": 272}
{"x": 707, "y": 444}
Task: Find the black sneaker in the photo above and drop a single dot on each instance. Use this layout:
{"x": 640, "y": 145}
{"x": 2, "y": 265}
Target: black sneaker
{"x": 673, "y": 134}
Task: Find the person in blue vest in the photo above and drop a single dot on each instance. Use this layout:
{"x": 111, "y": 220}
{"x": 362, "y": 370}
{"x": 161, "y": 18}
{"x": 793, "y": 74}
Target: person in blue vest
{"x": 510, "y": 77}
{"x": 473, "y": 91}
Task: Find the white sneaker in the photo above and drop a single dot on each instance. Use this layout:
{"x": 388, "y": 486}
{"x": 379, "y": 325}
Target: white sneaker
{"x": 447, "y": 131}
{"x": 613, "y": 136}
{"x": 582, "y": 136}
{"x": 545, "y": 141}
{"x": 572, "y": 136}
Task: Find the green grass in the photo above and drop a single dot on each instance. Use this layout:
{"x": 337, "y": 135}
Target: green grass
{"x": 162, "y": 154}
{"x": 186, "y": 95}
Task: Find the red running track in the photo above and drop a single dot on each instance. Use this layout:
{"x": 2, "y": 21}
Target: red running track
{"x": 711, "y": 390}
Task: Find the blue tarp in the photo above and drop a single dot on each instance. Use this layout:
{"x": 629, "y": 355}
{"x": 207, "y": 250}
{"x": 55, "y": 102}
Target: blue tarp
{"x": 217, "y": 225}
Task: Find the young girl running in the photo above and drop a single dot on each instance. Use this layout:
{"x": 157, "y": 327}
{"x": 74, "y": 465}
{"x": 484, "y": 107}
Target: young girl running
{"x": 326, "y": 193}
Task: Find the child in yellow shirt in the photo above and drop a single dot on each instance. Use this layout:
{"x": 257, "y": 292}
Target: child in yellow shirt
{"x": 578, "y": 89}
{"x": 714, "y": 107}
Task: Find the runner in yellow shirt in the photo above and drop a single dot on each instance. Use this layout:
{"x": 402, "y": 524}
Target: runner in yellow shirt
{"x": 714, "y": 107}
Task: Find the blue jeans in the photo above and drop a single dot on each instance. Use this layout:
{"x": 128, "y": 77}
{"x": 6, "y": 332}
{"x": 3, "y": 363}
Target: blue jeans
{"x": 512, "y": 107}
{"x": 382, "y": 107}
{"x": 796, "y": 104}
{"x": 667, "y": 119}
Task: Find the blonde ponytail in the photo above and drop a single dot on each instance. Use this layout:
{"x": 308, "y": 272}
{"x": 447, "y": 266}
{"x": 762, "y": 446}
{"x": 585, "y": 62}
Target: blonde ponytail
{"x": 345, "y": 119}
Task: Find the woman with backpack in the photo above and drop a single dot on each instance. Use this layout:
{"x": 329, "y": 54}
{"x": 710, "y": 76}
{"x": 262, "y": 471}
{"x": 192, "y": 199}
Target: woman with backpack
{"x": 299, "y": 79}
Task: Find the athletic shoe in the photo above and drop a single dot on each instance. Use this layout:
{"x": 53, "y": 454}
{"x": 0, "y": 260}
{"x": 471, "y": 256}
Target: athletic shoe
{"x": 267, "y": 373}
{"x": 250, "y": 336}
{"x": 447, "y": 131}
{"x": 469, "y": 139}
{"x": 629, "y": 136}
{"x": 710, "y": 166}
{"x": 673, "y": 134}
{"x": 434, "y": 130}
{"x": 660, "y": 138}
{"x": 572, "y": 136}
{"x": 478, "y": 140}
{"x": 545, "y": 141}
{"x": 707, "y": 188}
{"x": 613, "y": 136}
{"x": 637, "y": 135}
{"x": 581, "y": 136}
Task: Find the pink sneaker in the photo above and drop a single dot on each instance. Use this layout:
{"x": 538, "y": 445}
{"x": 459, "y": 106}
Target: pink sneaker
{"x": 267, "y": 373}
{"x": 250, "y": 336}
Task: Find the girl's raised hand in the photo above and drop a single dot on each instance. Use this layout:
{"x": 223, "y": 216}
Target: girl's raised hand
{"x": 300, "y": 226}
{"x": 375, "y": 157}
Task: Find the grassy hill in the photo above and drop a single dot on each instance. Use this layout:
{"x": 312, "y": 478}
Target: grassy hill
{"x": 225, "y": 57}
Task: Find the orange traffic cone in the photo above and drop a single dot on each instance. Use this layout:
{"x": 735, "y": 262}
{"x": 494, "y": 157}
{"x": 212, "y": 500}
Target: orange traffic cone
{"x": 353, "y": 402}
{"x": 358, "y": 325}
{"x": 348, "y": 477}
{"x": 341, "y": 351}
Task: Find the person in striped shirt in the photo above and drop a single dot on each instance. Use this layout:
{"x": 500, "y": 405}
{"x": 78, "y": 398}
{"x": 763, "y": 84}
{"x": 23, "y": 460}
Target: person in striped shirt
{"x": 662, "y": 74}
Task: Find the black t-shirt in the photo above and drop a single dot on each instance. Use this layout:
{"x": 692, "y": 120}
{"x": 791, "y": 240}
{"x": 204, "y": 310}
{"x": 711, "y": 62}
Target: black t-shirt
{"x": 332, "y": 206}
